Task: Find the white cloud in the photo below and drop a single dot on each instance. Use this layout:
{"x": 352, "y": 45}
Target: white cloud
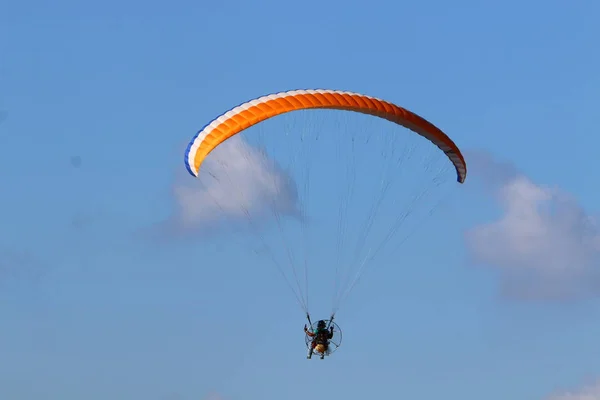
{"x": 16, "y": 264}
{"x": 544, "y": 243}
{"x": 590, "y": 392}
{"x": 214, "y": 396}
{"x": 236, "y": 179}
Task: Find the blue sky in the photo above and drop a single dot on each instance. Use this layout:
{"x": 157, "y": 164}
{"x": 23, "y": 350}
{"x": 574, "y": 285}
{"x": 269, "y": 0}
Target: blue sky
{"x": 92, "y": 310}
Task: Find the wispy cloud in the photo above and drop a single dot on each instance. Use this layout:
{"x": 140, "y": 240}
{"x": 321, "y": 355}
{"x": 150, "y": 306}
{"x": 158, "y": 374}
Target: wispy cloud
{"x": 588, "y": 392}
{"x": 544, "y": 244}
{"x": 214, "y": 396}
{"x": 237, "y": 182}
{"x": 23, "y": 265}
{"x": 177, "y": 396}
{"x": 173, "y": 396}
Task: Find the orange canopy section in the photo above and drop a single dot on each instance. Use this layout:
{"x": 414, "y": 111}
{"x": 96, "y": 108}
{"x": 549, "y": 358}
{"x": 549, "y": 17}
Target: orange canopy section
{"x": 260, "y": 109}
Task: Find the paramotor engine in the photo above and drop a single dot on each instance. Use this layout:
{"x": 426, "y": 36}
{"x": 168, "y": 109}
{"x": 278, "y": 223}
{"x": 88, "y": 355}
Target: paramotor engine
{"x": 334, "y": 342}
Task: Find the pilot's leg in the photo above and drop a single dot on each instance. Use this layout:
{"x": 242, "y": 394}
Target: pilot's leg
{"x": 325, "y": 350}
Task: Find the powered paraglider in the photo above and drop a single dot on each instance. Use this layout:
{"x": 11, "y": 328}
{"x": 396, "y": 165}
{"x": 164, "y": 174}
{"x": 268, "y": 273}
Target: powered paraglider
{"x": 341, "y": 187}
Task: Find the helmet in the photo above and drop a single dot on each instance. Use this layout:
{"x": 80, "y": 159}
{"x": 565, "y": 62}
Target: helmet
{"x": 321, "y": 324}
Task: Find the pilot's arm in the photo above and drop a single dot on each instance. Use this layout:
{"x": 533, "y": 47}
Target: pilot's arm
{"x": 309, "y": 333}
